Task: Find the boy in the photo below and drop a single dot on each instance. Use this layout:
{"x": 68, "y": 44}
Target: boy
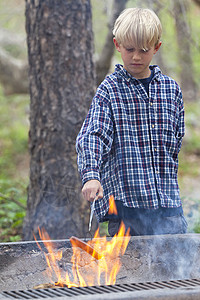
{"x": 129, "y": 143}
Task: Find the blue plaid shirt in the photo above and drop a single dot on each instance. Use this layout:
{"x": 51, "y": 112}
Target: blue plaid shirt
{"x": 130, "y": 141}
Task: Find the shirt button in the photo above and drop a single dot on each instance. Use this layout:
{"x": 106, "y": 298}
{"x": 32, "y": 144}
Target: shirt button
{"x": 153, "y": 126}
{"x": 151, "y": 103}
{"x": 155, "y": 149}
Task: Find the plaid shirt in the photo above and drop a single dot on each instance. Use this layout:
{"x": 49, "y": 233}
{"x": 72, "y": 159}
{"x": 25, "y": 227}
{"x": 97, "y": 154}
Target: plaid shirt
{"x": 130, "y": 141}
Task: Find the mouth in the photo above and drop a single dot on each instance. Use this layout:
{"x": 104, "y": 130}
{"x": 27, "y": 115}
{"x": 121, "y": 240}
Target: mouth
{"x": 136, "y": 65}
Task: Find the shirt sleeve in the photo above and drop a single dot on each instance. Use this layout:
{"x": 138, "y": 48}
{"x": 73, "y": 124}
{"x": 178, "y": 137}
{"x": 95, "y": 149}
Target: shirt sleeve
{"x": 180, "y": 132}
{"x": 95, "y": 138}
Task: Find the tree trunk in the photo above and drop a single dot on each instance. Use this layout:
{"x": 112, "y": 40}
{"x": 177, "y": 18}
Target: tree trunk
{"x": 62, "y": 81}
{"x": 103, "y": 63}
{"x": 158, "y": 59}
{"x": 188, "y": 85}
{"x": 197, "y": 2}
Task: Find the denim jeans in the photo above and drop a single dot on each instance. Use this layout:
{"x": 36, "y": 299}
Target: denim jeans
{"x": 150, "y": 225}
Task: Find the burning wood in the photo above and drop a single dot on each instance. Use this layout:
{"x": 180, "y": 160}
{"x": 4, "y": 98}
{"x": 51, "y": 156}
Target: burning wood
{"x": 103, "y": 260}
{"x": 56, "y": 285}
{"x": 86, "y": 247}
{"x": 45, "y": 286}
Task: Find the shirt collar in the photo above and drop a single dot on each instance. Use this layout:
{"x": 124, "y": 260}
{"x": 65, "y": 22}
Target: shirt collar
{"x": 128, "y": 77}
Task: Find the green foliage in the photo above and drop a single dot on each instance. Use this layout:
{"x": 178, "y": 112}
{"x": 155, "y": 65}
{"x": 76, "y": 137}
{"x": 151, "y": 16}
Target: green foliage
{"x": 12, "y": 209}
{"x": 103, "y": 229}
{"x": 197, "y": 227}
{"x": 13, "y": 154}
{"x": 192, "y": 139}
{"x": 169, "y": 42}
{"x": 195, "y": 41}
{"x": 12, "y": 15}
{"x": 13, "y": 133}
{"x": 99, "y": 17}
{"x": 190, "y": 150}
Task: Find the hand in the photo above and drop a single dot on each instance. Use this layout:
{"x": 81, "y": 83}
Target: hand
{"x": 92, "y": 189}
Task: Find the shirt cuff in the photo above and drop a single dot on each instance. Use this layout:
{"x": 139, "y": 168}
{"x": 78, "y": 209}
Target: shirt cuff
{"x": 90, "y": 175}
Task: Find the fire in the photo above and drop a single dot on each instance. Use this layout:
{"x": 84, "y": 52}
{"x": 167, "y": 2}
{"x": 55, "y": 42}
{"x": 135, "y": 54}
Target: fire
{"x": 96, "y": 262}
{"x": 112, "y": 206}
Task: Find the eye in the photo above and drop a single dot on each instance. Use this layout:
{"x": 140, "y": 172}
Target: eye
{"x": 130, "y": 49}
{"x": 144, "y": 50}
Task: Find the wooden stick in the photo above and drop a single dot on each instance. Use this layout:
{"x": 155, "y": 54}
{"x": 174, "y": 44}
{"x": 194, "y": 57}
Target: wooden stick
{"x": 87, "y": 248}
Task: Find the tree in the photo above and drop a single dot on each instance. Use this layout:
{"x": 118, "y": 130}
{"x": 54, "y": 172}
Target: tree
{"x": 157, "y": 6}
{"x": 103, "y": 63}
{"x": 197, "y": 2}
{"x": 188, "y": 85}
{"x": 62, "y": 81}
{"x": 13, "y": 71}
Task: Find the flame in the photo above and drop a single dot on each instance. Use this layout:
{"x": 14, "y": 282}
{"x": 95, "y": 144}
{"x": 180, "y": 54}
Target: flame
{"x": 88, "y": 268}
{"x": 112, "y": 206}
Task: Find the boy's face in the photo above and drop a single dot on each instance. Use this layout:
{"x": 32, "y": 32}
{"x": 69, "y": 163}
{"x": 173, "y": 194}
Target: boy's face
{"x": 136, "y": 61}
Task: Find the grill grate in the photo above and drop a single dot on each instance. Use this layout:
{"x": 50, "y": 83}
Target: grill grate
{"x": 93, "y": 290}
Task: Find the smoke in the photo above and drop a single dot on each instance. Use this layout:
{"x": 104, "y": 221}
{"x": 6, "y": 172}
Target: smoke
{"x": 162, "y": 257}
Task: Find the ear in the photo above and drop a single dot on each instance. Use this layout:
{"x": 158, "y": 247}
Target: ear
{"x": 157, "y": 47}
{"x": 117, "y": 46}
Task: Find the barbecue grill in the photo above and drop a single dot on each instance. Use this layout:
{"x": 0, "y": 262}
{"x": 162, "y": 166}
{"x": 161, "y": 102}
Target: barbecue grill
{"x": 153, "y": 267}
{"x": 179, "y": 289}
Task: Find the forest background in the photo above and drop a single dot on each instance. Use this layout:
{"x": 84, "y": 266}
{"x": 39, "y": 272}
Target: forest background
{"x": 14, "y": 110}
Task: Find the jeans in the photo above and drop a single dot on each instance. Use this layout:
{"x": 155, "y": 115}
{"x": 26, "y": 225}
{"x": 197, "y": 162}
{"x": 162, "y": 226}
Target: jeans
{"x": 150, "y": 225}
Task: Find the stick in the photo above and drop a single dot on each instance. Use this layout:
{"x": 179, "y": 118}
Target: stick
{"x": 87, "y": 248}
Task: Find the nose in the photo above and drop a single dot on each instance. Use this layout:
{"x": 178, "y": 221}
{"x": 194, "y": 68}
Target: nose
{"x": 136, "y": 55}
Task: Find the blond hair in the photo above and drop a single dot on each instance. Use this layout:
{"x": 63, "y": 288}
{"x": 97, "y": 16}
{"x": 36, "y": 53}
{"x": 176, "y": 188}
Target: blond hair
{"x": 139, "y": 27}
